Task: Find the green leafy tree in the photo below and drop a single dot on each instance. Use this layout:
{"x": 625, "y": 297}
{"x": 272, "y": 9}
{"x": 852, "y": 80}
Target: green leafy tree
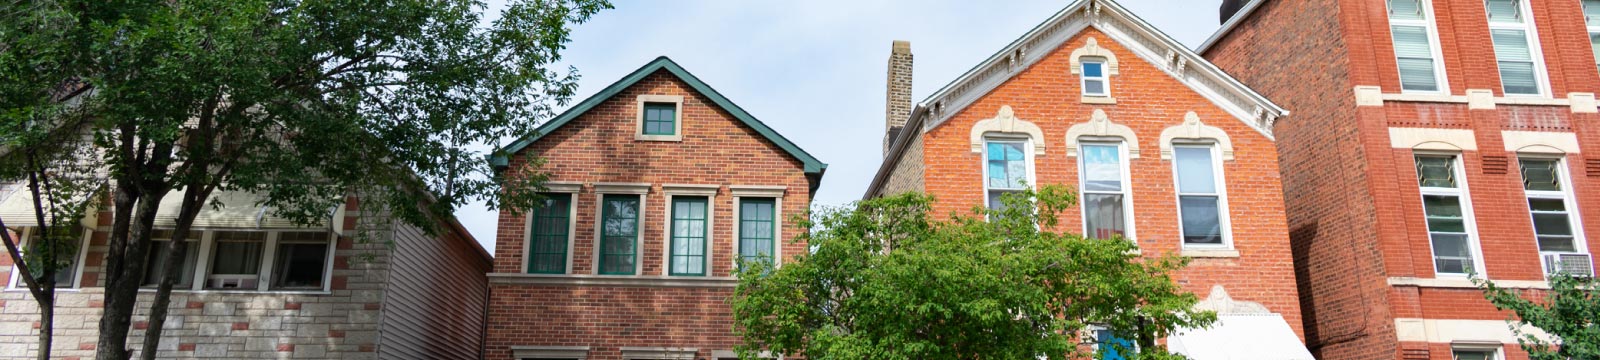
{"x": 1569, "y": 311}
{"x": 885, "y": 280}
{"x": 300, "y": 101}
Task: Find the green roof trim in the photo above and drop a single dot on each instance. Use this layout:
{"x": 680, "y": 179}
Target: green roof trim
{"x": 500, "y": 159}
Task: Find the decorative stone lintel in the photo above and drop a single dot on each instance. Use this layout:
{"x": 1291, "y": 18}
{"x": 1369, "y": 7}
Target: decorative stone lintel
{"x": 1093, "y": 49}
{"x": 1100, "y": 125}
{"x": 1193, "y": 129}
{"x": 1006, "y": 122}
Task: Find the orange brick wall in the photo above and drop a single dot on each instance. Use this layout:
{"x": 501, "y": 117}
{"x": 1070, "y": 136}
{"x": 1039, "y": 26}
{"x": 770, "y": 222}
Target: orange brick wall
{"x": 599, "y": 147}
{"x": 1148, "y": 101}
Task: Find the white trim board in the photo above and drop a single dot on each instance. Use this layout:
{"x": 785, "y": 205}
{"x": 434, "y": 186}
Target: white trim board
{"x": 1459, "y": 331}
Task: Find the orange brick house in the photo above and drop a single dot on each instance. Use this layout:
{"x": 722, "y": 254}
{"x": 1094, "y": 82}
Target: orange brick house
{"x": 1164, "y": 149}
{"x": 1432, "y": 139}
{"x": 657, "y": 185}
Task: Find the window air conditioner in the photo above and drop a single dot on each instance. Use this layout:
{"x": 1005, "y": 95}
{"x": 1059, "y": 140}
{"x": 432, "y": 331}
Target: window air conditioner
{"x": 1579, "y": 265}
{"x": 246, "y": 282}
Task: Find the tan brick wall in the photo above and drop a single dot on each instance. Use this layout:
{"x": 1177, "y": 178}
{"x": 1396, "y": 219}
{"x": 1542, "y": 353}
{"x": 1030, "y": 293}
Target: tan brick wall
{"x": 907, "y": 174}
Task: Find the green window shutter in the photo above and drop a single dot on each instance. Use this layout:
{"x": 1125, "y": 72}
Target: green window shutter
{"x": 660, "y": 119}
{"x": 547, "y": 240}
{"x": 688, "y": 236}
{"x": 757, "y": 228}
{"x": 619, "y": 234}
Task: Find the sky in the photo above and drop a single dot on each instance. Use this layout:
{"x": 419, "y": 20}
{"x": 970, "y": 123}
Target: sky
{"x": 814, "y": 70}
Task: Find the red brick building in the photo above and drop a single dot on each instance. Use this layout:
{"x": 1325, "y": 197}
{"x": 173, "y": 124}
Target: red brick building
{"x": 657, "y": 185}
{"x": 1164, "y": 149}
{"x": 1432, "y": 138}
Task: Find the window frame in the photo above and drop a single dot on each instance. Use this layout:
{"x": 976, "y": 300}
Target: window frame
{"x": 1494, "y": 351}
{"x": 1594, "y": 30}
{"x": 1027, "y": 158}
{"x": 603, "y": 190}
{"x": 270, "y": 271}
{"x": 677, "y": 122}
{"x": 742, "y": 192}
{"x": 1431, "y": 29}
{"x": 26, "y": 235}
{"x": 196, "y": 238}
{"x": 571, "y": 192}
{"x": 1127, "y": 184}
{"x": 1567, "y": 197}
{"x": 1541, "y": 76}
{"x": 671, "y": 213}
{"x": 1221, "y": 193}
{"x": 1468, "y": 216}
{"x": 1104, "y": 78}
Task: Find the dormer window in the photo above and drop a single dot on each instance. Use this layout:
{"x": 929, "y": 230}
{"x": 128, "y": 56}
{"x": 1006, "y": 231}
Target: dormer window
{"x": 1095, "y": 82}
{"x": 660, "y": 118}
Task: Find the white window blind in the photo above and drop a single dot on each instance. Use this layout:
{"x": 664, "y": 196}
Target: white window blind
{"x": 1414, "y": 45}
{"x": 1513, "y": 47}
{"x": 1591, "y": 15}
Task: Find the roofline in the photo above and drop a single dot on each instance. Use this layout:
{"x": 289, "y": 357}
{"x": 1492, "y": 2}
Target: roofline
{"x": 1238, "y": 17}
{"x": 896, "y": 149}
{"x": 501, "y": 157}
{"x": 1003, "y": 50}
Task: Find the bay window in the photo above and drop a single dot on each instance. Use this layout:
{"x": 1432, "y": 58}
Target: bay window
{"x": 1103, "y": 179}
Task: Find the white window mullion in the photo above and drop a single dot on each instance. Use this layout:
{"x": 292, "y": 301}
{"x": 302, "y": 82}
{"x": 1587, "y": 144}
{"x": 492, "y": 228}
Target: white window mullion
{"x": 1104, "y": 181}
{"x": 1202, "y": 206}
{"x": 1516, "y": 48}
{"x": 264, "y": 274}
{"x": 203, "y": 263}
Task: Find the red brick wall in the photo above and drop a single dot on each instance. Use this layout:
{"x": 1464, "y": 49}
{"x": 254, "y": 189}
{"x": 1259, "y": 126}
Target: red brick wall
{"x": 599, "y": 147}
{"x": 1148, "y": 101}
{"x": 1468, "y": 50}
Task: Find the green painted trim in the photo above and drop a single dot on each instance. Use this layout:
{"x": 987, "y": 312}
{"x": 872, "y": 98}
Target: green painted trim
{"x": 705, "y": 232}
{"x": 606, "y": 237}
{"x": 500, "y": 159}
{"x": 565, "y": 213}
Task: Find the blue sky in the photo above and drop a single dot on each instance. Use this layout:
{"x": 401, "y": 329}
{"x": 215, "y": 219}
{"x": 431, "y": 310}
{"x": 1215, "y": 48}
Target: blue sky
{"x": 814, "y": 70}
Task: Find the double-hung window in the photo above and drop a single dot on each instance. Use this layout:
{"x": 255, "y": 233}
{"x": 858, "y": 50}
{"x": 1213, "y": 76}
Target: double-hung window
{"x": 1006, "y": 170}
{"x": 1553, "y": 223}
{"x": 548, "y": 235}
{"x": 236, "y": 260}
{"x": 1104, "y": 185}
{"x": 1591, "y": 16}
{"x": 1447, "y": 212}
{"x": 619, "y": 234}
{"x": 757, "y": 229}
{"x": 1095, "y": 82}
{"x": 156, "y": 256}
{"x": 1416, "y": 46}
{"x": 689, "y": 240}
{"x": 1200, "y": 201}
{"x": 245, "y": 260}
{"x": 300, "y": 259}
{"x": 66, "y": 258}
{"x": 1515, "y": 47}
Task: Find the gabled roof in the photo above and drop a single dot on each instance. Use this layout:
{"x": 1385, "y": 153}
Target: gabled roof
{"x": 1121, "y": 26}
{"x": 500, "y": 159}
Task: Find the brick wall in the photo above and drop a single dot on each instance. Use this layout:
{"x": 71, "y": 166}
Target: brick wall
{"x": 599, "y": 147}
{"x": 907, "y": 174}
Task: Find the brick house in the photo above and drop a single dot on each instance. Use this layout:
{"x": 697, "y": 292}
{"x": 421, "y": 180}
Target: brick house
{"x": 258, "y": 286}
{"x": 657, "y": 185}
{"x": 1163, "y": 148}
{"x": 1432, "y": 138}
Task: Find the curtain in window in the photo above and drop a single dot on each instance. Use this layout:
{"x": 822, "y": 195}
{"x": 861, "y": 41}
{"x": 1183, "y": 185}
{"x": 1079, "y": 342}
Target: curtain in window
{"x": 688, "y": 236}
{"x": 756, "y": 228}
{"x": 548, "y": 248}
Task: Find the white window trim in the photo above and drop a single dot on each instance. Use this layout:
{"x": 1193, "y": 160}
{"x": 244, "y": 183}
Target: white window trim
{"x": 1568, "y": 200}
{"x": 1104, "y": 78}
{"x": 1027, "y": 157}
{"x": 710, "y": 193}
{"x": 1541, "y": 76}
{"x": 677, "y": 122}
{"x": 77, "y": 280}
{"x": 1428, "y": 22}
{"x": 570, "y": 190}
{"x": 1468, "y": 216}
{"x": 1223, "y": 218}
{"x": 600, "y": 192}
{"x": 1127, "y": 185}
{"x": 1496, "y": 350}
{"x": 763, "y": 192}
{"x": 268, "y": 260}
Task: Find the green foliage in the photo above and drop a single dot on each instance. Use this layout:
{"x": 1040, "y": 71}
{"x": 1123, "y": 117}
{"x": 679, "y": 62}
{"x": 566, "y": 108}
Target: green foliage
{"x": 1569, "y": 311}
{"x": 886, "y": 280}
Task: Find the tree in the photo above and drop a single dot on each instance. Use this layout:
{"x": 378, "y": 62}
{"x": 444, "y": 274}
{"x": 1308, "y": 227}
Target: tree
{"x": 884, "y": 280}
{"x": 1569, "y": 312}
{"x": 300, "y": 101}
{"x": 61, "y": 191}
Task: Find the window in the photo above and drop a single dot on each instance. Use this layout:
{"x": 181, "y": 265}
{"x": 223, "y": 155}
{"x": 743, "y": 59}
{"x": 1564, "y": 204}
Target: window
{"x": 301, "y": 258}
{"x": 549, "y": 234}
{"x": 1095, "y": 82}
{"x": 1548, "y": 202}
{"x": 67, "y": 275}
{"x": 757, "y": 228}
{"x": 1514, "y": 47}
{"x": 1591, "y": 16}
{"x": 236, "y": 260}
{"x": 619, "y": 234}
{"x": 660, "y": 118}
{"x": 155, "y": 257}
{"x": 1200, "y": 203}
{"x": 1104, "y": 188}
{"x": 1113, "y": 346}
{"x": 1449, "y": 224}
{"x": 1006, "y": 169}
{"x": 688, "y": 236}
{"x": 1474, "y": 354}
{"x": 1415, "y": 45}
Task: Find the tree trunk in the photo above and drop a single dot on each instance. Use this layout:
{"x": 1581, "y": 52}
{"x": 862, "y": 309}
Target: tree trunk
{"x": 169, "y": 277}
{"x": 127, "y": 271}
{"x": 47, "y": 323}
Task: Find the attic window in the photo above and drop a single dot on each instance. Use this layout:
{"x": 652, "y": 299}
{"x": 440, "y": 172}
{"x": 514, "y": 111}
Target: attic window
{"x": 660, "y": 118}
{"x": 1095, "y": 82}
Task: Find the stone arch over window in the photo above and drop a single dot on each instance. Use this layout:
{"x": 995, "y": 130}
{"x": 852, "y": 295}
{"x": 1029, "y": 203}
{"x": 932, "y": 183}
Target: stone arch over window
{"x": 1432, "y": 139}
{"x": 1540, "y": 142}
{"x": 1006, "y": 122}
{"x": 1100, "y": 125}
{"x": 1193, "y": 129}
{"x": 1093, "y": 49}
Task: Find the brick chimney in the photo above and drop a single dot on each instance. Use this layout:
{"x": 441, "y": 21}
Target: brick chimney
{"x": 898, "y": 99}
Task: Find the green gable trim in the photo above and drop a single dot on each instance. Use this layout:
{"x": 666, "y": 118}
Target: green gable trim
{"x": 500, "y": 159}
